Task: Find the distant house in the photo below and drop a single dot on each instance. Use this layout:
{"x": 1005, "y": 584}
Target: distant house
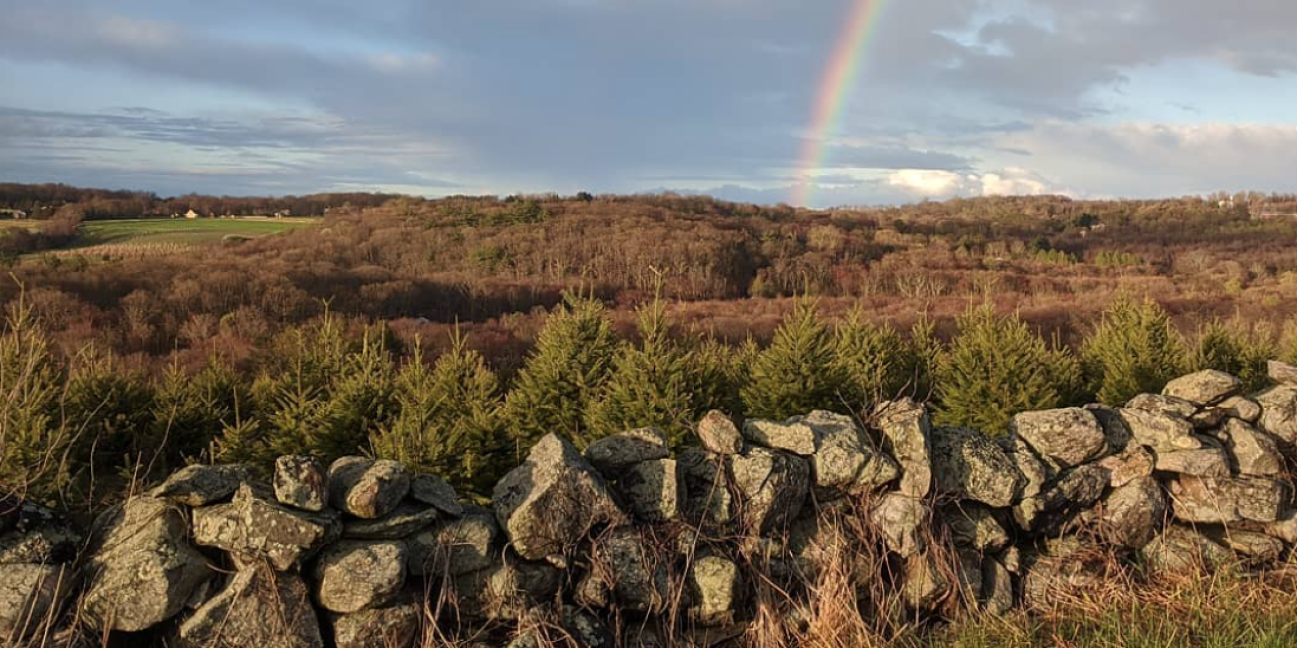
{"x": 191, "y": 214}
{"x": 283, "y": 212}
{"x": 17, "y": 214}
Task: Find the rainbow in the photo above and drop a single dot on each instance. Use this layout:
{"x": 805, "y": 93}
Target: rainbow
{"x": 831, "y": 97}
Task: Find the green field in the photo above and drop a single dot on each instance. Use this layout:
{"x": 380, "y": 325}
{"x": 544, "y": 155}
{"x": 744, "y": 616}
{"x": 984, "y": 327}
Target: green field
{"x": 181, "y": 231}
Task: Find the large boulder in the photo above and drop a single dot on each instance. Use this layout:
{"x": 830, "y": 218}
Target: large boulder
{"x": 1179, "y": 550}
{"x": 1064, "y": 437}
{"x": 391, "y": 626}
{"x": 636, "y": 575}
{"x": 457, "y": 546}
{"x": 547, "y": 504}
{"x": 772, "y": 487}
{"x": 366, "y": 488}
{"x": 708, "y": 500}
{"x": 1061, "y": 569}
{"x": 614, "y": 453}
{"x": 37, "y": 535}
{"x": 1282, "y": 373}
{"x": 719, "y": 435}
{"x": 1132, "y": 464}
{"x": 201, "y": 485}
{"x": 1159, "y": 404}
{"x": 1239, "y": 407}
{"x": 435, "y": 492}
{"x": 300, "y": 482}
{"x": 253, "y": 527}
{"x": 259, "y": 608}
{"x": 997, "y": 587}
{"x": 1133, "y": 513}
{"x": 1159, "y": 430}
{"x": 969, "y": 465}
{"x": 907, "y": 431}
{"x": 1203, "y": 388}
{"x": 406, "y": 519}
{"x": 30, "y": 596}
{"x": 1279, "y": 416}
{"x": 716, "y": 585}
{"x": 141, "y": 568}
{"x": 653, "y": 490}
{"x": 899, "y": 519}
{"x": 351, "y": 576}
{"x": 1208, "y": 461}
{"x": 1227, "y": 501}
{"x": 1253, "y": 547}
{"x": 844, "y": 460}
{"x": 794, "y": 435}
{"x": 1255, "y": 453}
{"x": 925, "y": 582}
{"x": 505, "y": 590}
{"x": 974, "y": 526}
{"x": 1073, "y": 492}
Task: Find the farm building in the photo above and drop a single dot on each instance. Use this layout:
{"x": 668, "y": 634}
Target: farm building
{"x": 191, "y": 214}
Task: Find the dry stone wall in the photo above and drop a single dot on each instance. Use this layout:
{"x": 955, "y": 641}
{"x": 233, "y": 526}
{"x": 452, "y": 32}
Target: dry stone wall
{"x": 629, "y": 544}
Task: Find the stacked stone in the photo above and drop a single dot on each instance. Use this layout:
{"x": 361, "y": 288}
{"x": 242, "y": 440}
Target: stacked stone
{"x": 606, "y": 546}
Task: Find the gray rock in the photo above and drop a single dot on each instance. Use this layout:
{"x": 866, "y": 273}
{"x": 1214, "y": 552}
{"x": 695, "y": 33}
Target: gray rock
{"x": 1244, "y": 409}
{"x": 1204, "y": 462}
{"x": 259, "y": 608}
{"x": 202, "y": 485}
{"x": 30, "y": 597}
{"x": 547, "y": 504}
{"x": 392, "y": 626}
{"x": 300, "y": 482}
{"x": 907, "y": 431}
{"x": 1227, "y": 501}
{"x": 637, "y": 577}
{"x": 974, "y": 526}
{"x": 435, "y": 492}
{"x": 620, "y": 451}
{"x": 254, "y": 528}
{"x": 717, "y": 587}
{"x": 1034, "y": 471}
{"x": 141, "y": 568}
{"x": 654, "y": 490}
{"x": 1255, "y": 548}
{"x": 1180, "y": 550}
{"x": 925, "y": 583}
{"x": 1055, "y": 508}
{"x": 772, "y": 487}
{"x": 504, "y": 591}
{"x": 1063, "y": 437}
{"x": 843, "y": 459}
{"x": 1284, "y": 528}
{"x": 968, "y": 465}
{"x": 405, "y": 520}
{"x": 1133, "y": 513}
{"x": 1159, "y": 404}
{"x": 1208, "y": 418}
{"x": 586, "y": 629}
{"x": 367, "y": 488}
{"x": 1281, "y": 373}
{"x": 1159, "y": 431}
{"x": 1133, "y": 464}
{"x": 997, "y": 588}
{"x": 1279, "y": 416}
{"x": 708, "y": 500}
{"x": 1203, "y": 388}
{"x": 456, "y": 547}
{"x": 39, "y": 536}
{"x": 351, "y": 576}
{"x": 1062, "y": 570}
{"x": 793, "y": 435}
{"x": 1116, "y": 434}
{"x": 1255, "y": 453}
{"x": 968, "y": 576}
{"x": 898, "y": 519}
{"x": 719, "y": 435}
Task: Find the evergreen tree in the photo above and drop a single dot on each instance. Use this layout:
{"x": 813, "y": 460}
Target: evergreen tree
{"x": 923, "y": 352}
{"x": 571, "y": 361}
{"x": 189, "y": 411}
{"x": 1133, "y": 350}
{"x": 33, "y": 445}
{"x": 449, "y": 422}
{"x": 650, "y": 384}
{"x": 872, "y": 359}
{"x": 796, "y": 374}
{"x": 718, "y": 372}
{"x": 109, "y": 409}
{"x": 996, "y": 367}
{"x": 1237, "y": 351}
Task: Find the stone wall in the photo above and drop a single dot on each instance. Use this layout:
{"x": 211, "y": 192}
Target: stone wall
{"x": 627, "y": 544}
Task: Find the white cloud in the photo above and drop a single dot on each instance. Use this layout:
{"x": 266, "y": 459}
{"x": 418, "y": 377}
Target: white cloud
{"x": 932, "y": 183}
{"x": 928, "y": 183}
{"x": 1014, "y": 181}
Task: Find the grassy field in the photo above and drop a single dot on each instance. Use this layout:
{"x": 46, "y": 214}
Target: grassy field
{"x": 181, "y": 231}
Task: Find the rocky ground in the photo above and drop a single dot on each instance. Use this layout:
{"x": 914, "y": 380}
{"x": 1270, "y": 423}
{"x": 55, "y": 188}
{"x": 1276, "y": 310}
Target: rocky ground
{"x": 629, "y": 544}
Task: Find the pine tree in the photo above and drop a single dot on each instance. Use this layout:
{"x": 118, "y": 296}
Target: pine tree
{"x": 996, "y": 367}
{"x": 449, "y": 422}
{"x": 109, "y": 409}
{"x": 873, "y": 359}
{"x": 1237, "y": 351}
{"x": 796, "y": 374}
{"x": 33, "y": 445}
{"x": 718, "y": 373}
{"x": 924, "y": 353}
{"x": 571, "y": 361}
{"x": 189, "y": 411}
{"x": 650, "y": 385}
{"x": 1133, "y": 350}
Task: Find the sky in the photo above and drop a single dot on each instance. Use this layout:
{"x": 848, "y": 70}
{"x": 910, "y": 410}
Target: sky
{"x": 1093, "y": 98}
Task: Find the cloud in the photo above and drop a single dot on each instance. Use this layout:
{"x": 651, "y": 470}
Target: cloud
{"x": 928, "y": 183}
